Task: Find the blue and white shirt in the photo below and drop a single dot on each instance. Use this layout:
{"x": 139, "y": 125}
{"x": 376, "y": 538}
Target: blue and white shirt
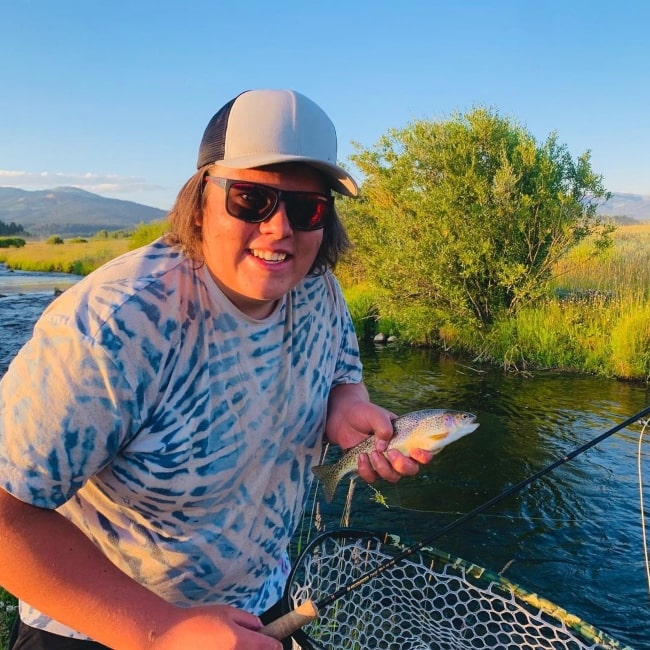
{"x": 176, "y": 432}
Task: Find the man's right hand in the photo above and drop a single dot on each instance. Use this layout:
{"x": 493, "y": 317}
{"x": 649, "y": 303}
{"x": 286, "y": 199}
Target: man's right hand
{"x": 216, "y": 627}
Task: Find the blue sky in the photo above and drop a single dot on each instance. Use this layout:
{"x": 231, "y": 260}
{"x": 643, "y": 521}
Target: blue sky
{"x": 113, "y": 96}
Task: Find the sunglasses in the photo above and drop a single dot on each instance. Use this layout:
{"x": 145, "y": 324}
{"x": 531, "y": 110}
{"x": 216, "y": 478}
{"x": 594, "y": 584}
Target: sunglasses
{"x": 255, "y": 203}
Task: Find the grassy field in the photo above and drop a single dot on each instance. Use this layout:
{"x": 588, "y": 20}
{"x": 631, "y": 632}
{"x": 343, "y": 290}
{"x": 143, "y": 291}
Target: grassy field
{"x": 77, "y": 257}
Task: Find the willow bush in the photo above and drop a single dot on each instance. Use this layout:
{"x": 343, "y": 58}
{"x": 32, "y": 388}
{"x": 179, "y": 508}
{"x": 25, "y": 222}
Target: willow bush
{"x": 467, "y": 217}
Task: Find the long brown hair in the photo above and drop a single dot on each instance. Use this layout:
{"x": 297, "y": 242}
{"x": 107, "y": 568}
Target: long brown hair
{"x": 185, "y": 230}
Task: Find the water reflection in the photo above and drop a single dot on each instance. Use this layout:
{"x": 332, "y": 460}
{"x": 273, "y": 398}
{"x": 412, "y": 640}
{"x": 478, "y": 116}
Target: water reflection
{"x": 23, "y": 297}
{"x": 22, "y": 282}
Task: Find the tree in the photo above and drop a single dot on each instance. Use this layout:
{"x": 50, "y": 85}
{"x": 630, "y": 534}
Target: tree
{"x": 10, "y": 228}
{"x": 467, "y": 216}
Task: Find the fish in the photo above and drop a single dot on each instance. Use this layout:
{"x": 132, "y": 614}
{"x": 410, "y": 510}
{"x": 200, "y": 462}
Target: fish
{"x": 430, "y": 429}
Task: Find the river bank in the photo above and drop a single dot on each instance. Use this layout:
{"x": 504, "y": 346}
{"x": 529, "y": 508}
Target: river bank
{"x": 595, "y": 319}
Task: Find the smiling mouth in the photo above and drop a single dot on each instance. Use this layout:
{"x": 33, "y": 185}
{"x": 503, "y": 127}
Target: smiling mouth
{"x": 268, "y": 256}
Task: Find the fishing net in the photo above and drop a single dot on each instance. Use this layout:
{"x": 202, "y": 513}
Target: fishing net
{"x": 428, "y": 600}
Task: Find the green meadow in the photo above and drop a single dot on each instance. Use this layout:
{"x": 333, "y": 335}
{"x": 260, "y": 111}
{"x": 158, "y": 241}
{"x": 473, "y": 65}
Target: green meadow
{"x": 78, "y": 257}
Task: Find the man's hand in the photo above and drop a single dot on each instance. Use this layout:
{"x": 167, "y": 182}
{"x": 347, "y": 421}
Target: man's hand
{"x": 351, "y": 417}
{"x": 217, "y": 626}
{"x": 48, "y": 561}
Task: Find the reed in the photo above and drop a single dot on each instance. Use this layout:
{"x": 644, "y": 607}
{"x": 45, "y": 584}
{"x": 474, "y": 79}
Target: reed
{"x": 604, "y": 336}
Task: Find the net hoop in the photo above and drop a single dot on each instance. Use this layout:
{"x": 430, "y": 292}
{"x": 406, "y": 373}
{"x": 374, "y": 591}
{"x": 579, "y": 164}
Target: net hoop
{"x": 428, "y": 600}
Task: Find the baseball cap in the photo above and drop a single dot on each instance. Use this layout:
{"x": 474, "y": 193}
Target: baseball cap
{"x": 265, "y": 127}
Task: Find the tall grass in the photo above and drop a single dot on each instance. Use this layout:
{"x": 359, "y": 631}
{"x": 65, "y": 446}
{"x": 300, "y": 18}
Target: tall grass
{"x": 602, "y": 306}
{"x": 624, "y": 268}
{"x": 604, "y": 336}
{"x": 79, "y": 257}
{"x": 595, "y": 319}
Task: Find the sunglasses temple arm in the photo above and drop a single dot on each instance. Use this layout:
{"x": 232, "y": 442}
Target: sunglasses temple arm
{"x": 289, "y": 623}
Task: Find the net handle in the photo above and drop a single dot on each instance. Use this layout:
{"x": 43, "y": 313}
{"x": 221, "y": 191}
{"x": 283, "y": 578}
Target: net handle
{"x": 287, "y": 624}
{"x": 294, "y": 619}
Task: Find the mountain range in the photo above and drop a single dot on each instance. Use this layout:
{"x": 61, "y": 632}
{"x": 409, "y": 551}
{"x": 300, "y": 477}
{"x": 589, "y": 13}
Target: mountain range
{"x": 626, "y": 208}
{"x": 69, "y": 211}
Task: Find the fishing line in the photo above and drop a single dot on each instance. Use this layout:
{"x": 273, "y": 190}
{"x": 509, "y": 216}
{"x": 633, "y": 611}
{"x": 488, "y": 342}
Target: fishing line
{"x": 308, "y": 611}
{"x": 377, "y": 497}
{"x": 458, "y": 513}
{"x": 643, "y": 530}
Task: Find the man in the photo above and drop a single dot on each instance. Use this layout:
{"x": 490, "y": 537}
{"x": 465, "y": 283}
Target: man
{"x": 157, "y": 432}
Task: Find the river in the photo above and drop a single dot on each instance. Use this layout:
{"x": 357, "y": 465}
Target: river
{"x": 574, "y": 536}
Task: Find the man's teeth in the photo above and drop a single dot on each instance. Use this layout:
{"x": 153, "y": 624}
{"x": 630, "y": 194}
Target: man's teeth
{"x": 268, "y": 256}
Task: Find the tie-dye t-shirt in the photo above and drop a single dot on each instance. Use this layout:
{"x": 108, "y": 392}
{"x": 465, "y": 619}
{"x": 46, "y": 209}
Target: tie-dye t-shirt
{"x": 177, "y": 433}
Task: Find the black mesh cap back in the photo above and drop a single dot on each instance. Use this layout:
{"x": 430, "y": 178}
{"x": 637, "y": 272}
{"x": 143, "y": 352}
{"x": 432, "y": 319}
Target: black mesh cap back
{"x": 213, "y": 144}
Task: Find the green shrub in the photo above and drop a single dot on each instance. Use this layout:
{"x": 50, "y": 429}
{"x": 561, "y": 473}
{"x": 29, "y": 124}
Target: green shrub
{"x": 8, "y": 613}
{"x": 145, "y": 233}
{"x": 362, "y": 306}
{"x": 11, "y": 242}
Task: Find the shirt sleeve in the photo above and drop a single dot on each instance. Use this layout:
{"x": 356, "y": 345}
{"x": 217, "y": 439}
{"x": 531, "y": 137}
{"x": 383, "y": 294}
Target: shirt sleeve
{"x": 348, "y": 362}
{"x": 65, "y": 411}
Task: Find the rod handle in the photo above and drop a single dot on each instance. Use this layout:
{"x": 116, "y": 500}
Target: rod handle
{"x": 287, "y": 624}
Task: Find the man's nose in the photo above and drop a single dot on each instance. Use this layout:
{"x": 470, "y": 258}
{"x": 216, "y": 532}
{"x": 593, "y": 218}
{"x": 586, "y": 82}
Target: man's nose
{"x": 278, "y": 222}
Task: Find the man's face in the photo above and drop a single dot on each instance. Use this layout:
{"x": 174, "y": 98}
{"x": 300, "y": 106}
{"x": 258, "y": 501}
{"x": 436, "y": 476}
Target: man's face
{"x": 255, "y": 264}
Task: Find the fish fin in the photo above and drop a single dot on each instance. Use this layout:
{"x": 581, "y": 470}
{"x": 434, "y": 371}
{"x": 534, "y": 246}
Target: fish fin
{"x": 324, "y": 475}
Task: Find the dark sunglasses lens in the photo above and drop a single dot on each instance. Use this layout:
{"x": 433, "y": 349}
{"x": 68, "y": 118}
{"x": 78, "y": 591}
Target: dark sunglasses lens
{"x": 307, "y": 211}
{"x": 250, "y": 202}
{"x": 256, "y": 203}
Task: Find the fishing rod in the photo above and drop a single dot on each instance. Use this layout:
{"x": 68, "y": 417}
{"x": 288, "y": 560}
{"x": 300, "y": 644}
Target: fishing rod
{"x": 308, "y": 611}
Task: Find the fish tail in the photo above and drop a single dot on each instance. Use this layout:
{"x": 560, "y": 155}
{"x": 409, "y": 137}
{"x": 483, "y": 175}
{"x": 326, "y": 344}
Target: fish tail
{"x": 328, "y": 480}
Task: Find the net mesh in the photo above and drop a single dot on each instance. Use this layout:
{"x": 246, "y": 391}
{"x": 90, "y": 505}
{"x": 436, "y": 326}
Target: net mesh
{"x": 428, "y": 600}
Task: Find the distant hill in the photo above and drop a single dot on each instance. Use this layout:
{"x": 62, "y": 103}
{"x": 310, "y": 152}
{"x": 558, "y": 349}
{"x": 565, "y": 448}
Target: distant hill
{"x": 627, "y": 208}
{"x": 69, "y": 211}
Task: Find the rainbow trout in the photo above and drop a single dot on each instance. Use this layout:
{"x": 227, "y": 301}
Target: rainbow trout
{"x": 430, "y": 429}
